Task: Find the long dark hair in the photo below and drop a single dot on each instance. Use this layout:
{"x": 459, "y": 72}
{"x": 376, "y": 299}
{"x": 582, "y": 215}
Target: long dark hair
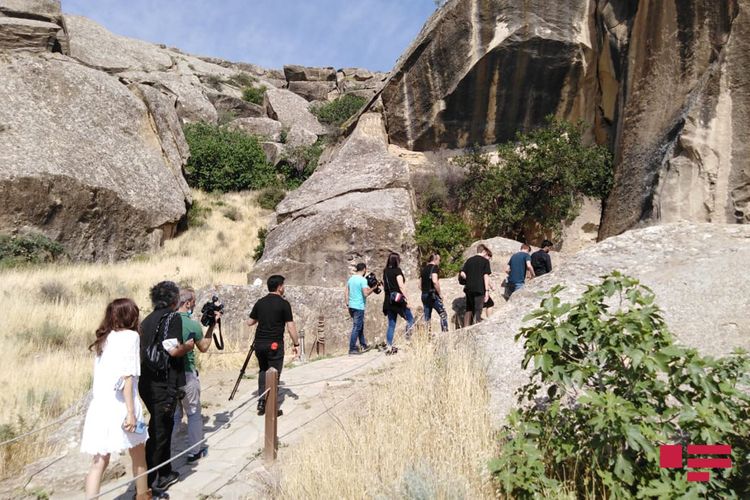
{"x": 394, "y": 261}
{"x": 121, "y": 314}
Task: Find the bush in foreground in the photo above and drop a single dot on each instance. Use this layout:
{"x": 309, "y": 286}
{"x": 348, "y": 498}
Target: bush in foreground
{"x": 608, "y": 387}
{"x": 225, "y": 160}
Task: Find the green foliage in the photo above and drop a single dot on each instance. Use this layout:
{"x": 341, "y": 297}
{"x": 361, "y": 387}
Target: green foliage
{"x": 270, "y": 197}
{"x": 254, "y": 94}
{"x": 300, "y": 162}
{"x": 446, "y": 234}
{"x": 339, "y": 110}
{"x": 284, "y": 135}
{"x": 28, "y": 249}
{"x": 242, "y": 80}
{"x": 608, "y": 387}
{"x": 542, "y": 178}
{"x": 225, "y": 160}
{"x": 261, "y": 246}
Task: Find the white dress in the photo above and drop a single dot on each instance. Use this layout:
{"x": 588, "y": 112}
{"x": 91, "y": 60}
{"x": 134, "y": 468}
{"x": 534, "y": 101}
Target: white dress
{"x": 102, "y": 431}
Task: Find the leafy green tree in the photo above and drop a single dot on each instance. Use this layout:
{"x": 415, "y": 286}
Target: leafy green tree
{"x": 225, "y": 160}
{"x": 28, "y": 249}
{"x": 446, "y": 234}
{"x": 540, "y": 181}
{"x": 608, "y": 387}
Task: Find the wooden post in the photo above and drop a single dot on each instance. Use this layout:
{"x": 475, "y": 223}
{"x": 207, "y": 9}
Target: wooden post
{"x": 272, "y": 384}
{"x": 302, "y": 352}
{"x": 320, "y": 347}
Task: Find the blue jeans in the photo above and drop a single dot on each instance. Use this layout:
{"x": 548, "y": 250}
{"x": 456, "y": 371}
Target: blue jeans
{"x": 430, "y": 301}
{"x": 358, "y": 329}
{"x": 392, "y": 316}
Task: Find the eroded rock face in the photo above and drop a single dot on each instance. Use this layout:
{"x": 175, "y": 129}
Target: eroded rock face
{"x": 664, "y": 84}
{"x": 704, "y": 308}
{"x": 682, "y": 126}
{"x": 356, "y": 208}
{"x": 105, "y": 188}
{"x": 32, "y": 26}
{"x": 480, "y": 71}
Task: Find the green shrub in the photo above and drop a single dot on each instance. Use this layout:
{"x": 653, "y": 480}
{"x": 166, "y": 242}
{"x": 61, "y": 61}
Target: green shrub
{"x": 226, "y": 116}
{"x": 261, "y": 246}
{"x": 541, "y": 180}
{"x": 339, "y": 110}
{"x": 28, "y": 249}
{"x": 225, "y": 160}
{"x": 300, "y": 162}
{"x": 270, "y": 197}
{"x": 446, "y": 234}
{"x": 608, "y": 387}
{"x": 242, "y": 80}
{"x": 254, "y": 94}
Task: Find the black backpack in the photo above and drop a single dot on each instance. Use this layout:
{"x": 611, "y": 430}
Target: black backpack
{"x": 156, "y": 357}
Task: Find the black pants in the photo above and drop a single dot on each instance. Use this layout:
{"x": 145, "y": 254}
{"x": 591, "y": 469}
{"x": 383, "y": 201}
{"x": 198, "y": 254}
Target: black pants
{"x": 160, "y": 400}
{"x": 474, "y": 305}
{"x": 268, "y": 358}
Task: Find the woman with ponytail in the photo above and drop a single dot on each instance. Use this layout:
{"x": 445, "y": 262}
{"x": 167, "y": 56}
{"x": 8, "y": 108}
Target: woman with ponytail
{"x": 114, "y": 421}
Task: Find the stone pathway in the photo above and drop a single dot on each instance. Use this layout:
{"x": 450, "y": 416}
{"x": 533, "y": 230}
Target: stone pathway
{"x": 233, "y": 468}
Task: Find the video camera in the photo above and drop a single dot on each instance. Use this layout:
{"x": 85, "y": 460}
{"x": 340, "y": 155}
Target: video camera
{"x": 209, "y": 310}
{"x": 372, "y": 282}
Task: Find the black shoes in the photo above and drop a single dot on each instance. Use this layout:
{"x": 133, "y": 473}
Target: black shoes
{"x": 262, "y": 408}
{"x": 164, "y": 482}
{"x": 196, "y": 456}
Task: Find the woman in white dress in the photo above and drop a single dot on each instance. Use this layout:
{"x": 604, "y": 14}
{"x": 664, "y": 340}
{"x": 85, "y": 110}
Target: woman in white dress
{"x": 114, "y": 421}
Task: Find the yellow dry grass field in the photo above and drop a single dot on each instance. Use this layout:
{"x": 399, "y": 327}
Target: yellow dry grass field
{"x": 423, "y": 432}
{"x": 49, "y": 313}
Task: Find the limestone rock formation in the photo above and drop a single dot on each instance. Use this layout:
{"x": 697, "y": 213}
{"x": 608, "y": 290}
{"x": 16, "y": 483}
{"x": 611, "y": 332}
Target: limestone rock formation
{"x": 105, "y": 188}
{"x": 704, "y": 308}
{"x": 32, "y": 26}
{"x": 291, "y": 110}
{"x": 296, "y": 73}
{"x": 355, "y": 208}
{"x": 663, "y": 83}
{"x": 264, "y": 127}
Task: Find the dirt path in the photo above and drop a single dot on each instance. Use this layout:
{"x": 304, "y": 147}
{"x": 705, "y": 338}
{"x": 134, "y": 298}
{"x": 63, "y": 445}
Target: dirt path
{"x": 313, "y": 394}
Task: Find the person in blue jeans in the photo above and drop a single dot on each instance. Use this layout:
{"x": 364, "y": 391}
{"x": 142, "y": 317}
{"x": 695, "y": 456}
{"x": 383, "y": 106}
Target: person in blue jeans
{"x": 431, "y": 297}
{"x": 518, "y": 265}
{"x": 355, "y": 295}
{"x": 394, "y": 302}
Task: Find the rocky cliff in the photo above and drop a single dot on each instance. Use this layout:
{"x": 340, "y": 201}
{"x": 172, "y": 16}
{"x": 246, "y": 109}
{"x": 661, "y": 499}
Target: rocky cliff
{"x": 663, "y": 83}
{"x": 91, "y": 126}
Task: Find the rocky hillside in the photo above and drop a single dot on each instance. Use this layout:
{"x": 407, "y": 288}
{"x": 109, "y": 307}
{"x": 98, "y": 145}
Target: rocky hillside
{"x": 91, "y": 126}
{"x": 663, "y": 83}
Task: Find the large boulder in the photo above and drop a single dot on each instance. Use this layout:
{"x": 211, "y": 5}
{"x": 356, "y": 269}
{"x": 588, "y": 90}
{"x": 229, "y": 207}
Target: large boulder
{"x": 684, "y": 264}
{"x": 291, "y": 110}
{"x": 319, "y": 244}
{"x": 32, "y": 26}
{"x": 264, "y": 127}
{"x": 296, "y": 73}
{"x": 363, "y": 164}
{"x": 84, "y": 160}
{"x": 312, "y": 91}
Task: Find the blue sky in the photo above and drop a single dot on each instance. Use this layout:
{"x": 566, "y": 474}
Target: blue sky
{"x": 366, "y": 33}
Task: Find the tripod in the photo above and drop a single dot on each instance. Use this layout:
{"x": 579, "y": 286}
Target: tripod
{"x": 242, "y": 370}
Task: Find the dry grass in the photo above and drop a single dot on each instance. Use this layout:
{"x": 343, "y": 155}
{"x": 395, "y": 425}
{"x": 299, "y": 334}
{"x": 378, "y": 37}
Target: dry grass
{"x": 50, "y": 313}
{"x": 424, "y": 432}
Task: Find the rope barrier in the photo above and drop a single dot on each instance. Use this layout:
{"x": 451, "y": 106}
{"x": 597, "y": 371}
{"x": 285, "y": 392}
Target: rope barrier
{"x": 202, "y": 441}
{"x": 40, "y": 429}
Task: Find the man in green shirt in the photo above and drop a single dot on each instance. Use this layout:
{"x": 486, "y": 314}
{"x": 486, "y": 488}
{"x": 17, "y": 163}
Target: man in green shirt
{"x": 191, "y": 402}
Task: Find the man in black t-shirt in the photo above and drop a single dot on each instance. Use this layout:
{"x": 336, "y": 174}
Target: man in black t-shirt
{"x": 540, "y": 260}
{"x": 273, "y": 315}
{"x": 476, "y": 271}
{"x": 159, "y": 390}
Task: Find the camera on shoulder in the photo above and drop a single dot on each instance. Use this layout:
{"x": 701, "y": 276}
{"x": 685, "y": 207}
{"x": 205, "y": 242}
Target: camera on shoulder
{"x": 209, "y": 310}
{"x": 372, "y": 282}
